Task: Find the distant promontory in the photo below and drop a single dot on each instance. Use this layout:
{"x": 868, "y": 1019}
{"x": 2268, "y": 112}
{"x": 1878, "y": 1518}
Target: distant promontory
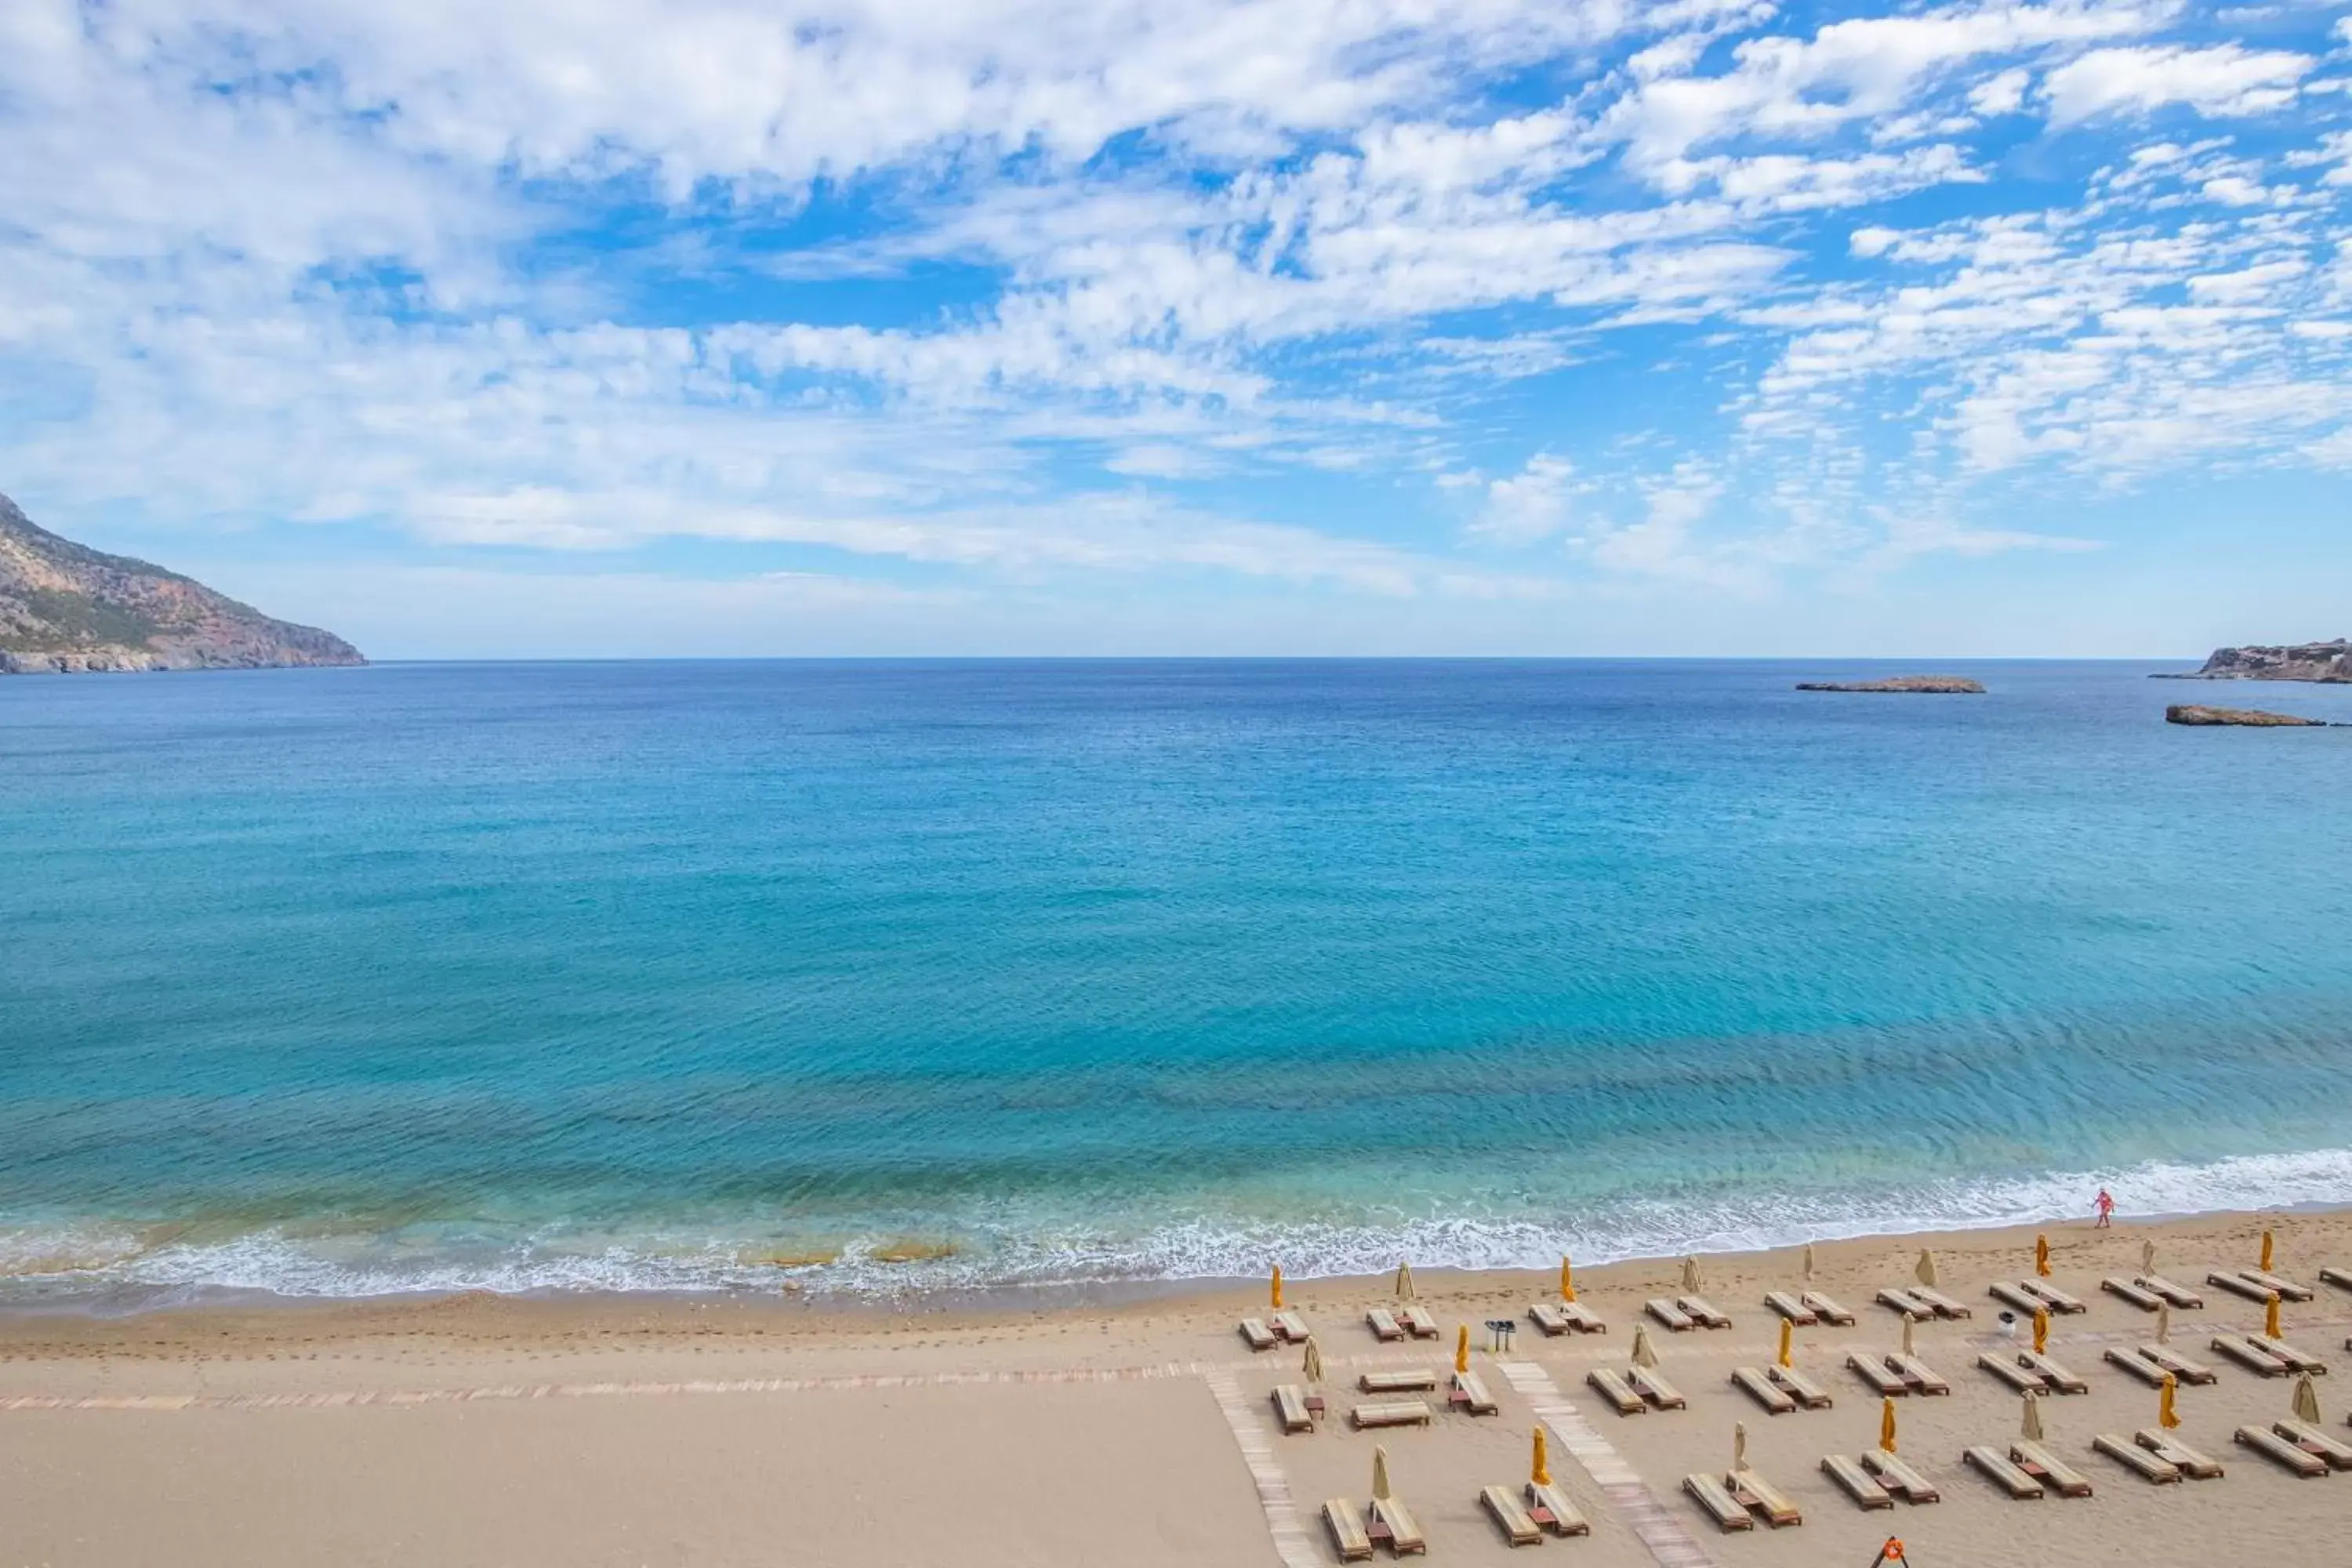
{"x": 2252, "y": 717}
{"x": 68, "y": 609}
{"x": 1937, "y": 685}
{"x": 2322, "y": 661}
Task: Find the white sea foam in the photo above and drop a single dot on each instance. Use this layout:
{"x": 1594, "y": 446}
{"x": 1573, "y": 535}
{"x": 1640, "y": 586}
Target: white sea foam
{"x": 53, "y": 1262}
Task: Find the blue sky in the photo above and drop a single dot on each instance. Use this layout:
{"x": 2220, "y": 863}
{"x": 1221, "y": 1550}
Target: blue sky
{"x": 703, "y": 327}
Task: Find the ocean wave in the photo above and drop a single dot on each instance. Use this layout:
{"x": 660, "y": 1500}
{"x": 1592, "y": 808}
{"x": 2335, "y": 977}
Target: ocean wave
{"x": 51, "y": 1263}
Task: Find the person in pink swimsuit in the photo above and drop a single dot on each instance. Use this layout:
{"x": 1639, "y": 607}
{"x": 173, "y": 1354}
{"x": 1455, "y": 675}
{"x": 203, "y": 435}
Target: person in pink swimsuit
{"x": 2105, "y": 1203}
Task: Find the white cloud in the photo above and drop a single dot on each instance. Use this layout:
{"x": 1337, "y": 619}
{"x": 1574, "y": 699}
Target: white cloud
{"x": 2003, "y": 93}
{"x": 2225, "y": 79}
{"x": 1529, "y": 505}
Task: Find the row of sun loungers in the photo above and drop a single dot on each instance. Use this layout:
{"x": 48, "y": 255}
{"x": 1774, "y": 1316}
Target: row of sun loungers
{"x": 1557, "y": 1318}
{"x": 1895, "y": 1374}
{"x": 2031, "y": 1295}
{"x": 1682, "y": 1313}
{"x": 2296, "y": 1446}
{"x": 2267, "y": 1357}
{"x": 1632, "y": 1391}
{"x": 1280, "y": 1328}
{"x": 1387, "y": 1325}
{"x": 2034, "y": 1373}
{"x": 1388, "y": 1522}
{"x": 1806, "y": 1308}
{"x": 1922, "y": 1301}
{"x": 1740, "y": 1498}
{"x": 1780, "y": 1389}
{"x": 2256, "y": 1286}
{"x": 1524, "y": 1523}
{"x": 2150, "y": 1362}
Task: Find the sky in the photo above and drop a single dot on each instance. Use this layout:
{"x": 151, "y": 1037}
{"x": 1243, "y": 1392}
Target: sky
{"x": 645, "y": 328}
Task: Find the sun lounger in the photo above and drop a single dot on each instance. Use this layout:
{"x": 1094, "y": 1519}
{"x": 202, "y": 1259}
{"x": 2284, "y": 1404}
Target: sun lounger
{"x": 1348, "y": 1537}
{"x": 1548, "y": 1318}
{"x": 1394, "y": 1522}
{"x": 2339, "y": 1277}
{"x": 1516, "y": 1527}
{"x": 1557, "y": 1318}
{"x": 1719, "y": 1504}
{"x": 1256, "y": 1335}
{"x": 1828, "y": 1310}
{"x": 1669, "y": 1314}
{"x": 1290, "y": 1408}
{"x": 1390, "y": 1413}
{"x": 2302, "y": 1361}
{"x": 1752, "y": 1381}
{"x": 2238, "y": 1284}
{"x": 2148, "y": 1467}
{"x": 2312, "y": 1440}
{"x": 2250, "y": 1356}
{"x": 2061, "y": 1302}
{"x": 2146, "y": 1300}
{"x": 2138, "y": 1363}
{"x": 1757, "y": 1495}
{"x": 1874, "y": 1371}
{"x": 1655, "y": 1389}
{"x": 1613, "y": 1387}
{"x": 1945, "y": 1307}
{"x": 1418, "y": 1322}
{"x": 2002, "y": 1473}
{"x": 1550, "y": 1507}
{"x": 1383, "y": 1324}
{"x": 2177, "y": 1454}
{"x": 2177, "y": 1295}
{"x": 2282, "y": 1453}
{"x": 1703, "y": 1312}
{"x": 1899, "y": 1478}
{"x": 1418, "y": 1382}
{"x": 1917, "y": 1374}
{"x": 1808, "y": 1393}
{"x": 1583, "y": 1319}
{"x": 2050, "y": 1469}
{"x": 2178, "y": 1365}
{"x": 1856, "y": 1482}
{"x": 2060, "y": 1380}
{"x": 2288, "y": 1290}
{"x": 2020, "y": 1378}
{"x": 1791, "y": 1308}
{"x": 2016, "y": 1296}
{"x": 1290, "y": 1326}
{"x": 1470, "y": 1394}
{"x": 1904, "y": 1302}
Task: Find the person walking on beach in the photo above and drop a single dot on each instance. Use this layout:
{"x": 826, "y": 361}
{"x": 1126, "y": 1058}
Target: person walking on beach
{"x": 2105, "y": 1203}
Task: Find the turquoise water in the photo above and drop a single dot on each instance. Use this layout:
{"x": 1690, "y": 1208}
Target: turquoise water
{"x": 637, "y": 975}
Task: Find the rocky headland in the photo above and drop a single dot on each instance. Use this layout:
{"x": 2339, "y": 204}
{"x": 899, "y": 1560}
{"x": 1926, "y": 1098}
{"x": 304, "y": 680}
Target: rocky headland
{"x": 2322, "y": 661}
{"x": 68, "y": 609}
{"x": 2197, "y": 713}
{"x": 1939, "y": 685}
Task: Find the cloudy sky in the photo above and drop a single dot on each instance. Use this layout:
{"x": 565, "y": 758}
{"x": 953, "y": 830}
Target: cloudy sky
{"x": 650, "y": 327}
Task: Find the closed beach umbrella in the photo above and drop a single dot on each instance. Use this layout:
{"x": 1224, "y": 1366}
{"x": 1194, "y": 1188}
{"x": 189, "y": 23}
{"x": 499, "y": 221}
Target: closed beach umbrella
{"x": 1887, "y": 1425}
{"x": 1788, "y": 1342}
{"x": 2164, "y": 1416}
{"x": 2030, "y": 1429}
{"x": 1461, "y": 1351}
{"x": 2041, "y": 1329}
{"x": 2307, "y": 1400}
{"x": 2266, "y": 1252}
{"x": 1809, "y": 1263}
{"x": 2041, "y": 1255}
{"x": 1566, "y": 1281}
{"x": 1691, "y": 1281}
{"x": 1908, "y": 1321}
{"x": 2163, "y": 1325}
{"x": 1380, "y": 1473}
{"x": 2148, "y": 1257}
{"x": 1540, "y": 1474}
{"x": 1312, "y": 1363}
{"x": 1278, "y": 1287}
{"x": 1739, "y": 1445}
{"x": 1644, "y": 1354}
{"x": 2270, "y": 1316}
{"x": 1404, "y": 1282}
{"x": 1926, "y": 1269}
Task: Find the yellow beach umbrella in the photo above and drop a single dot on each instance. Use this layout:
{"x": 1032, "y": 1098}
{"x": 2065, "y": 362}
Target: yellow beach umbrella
{"x": 1380, "y": 1473}
{"x": 1540, "y": 1472}
{"x": 2266, "y": 1252}
{"x": 1566, "y": 1281}
{"x": 1926, "y": 1269}
{"x": 1404, "y": 1282}
{"x": 2030, "y": 1429}
{"x": 1691, "y": 1279}
{"x": 2164, "y": 1416}
{"x": 1788, "y": 1342}
{"x": 2163, "y": 1325}
{"x": 2041, "y": 1329}
{"x": 2270, "y": 1316}
{"x": 1278, "y": 1287}
{"x": 1887, "y": 1425}
{"x": 2307, "y": 1400}
{"x": 1739, "y": 1445}
{"x": 1809, "y": 1263}
{"x": 1644, "y": 1353}
{"x": 1312, "y": 1364}
{"x": 1462, "y": 1350}
{"x": 2041, "y": 1255}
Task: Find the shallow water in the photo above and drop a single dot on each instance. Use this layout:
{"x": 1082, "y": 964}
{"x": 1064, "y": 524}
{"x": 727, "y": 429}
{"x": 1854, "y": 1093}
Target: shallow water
{"x": 642, "y": 974}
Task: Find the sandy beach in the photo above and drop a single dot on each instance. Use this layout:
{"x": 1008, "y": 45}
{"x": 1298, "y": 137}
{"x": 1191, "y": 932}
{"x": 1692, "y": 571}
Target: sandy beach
{"x": 482, "y": 1430}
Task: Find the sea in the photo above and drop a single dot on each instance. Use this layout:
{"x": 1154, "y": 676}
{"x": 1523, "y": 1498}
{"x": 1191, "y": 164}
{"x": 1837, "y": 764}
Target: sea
{"x": 873, "y": 979}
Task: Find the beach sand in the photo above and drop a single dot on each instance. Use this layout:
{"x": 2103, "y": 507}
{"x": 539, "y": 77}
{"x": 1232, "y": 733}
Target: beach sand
{"x": 479, "y": 1430}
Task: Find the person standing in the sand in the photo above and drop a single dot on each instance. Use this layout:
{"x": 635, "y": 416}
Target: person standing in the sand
{"x": 2105, "y": 1203}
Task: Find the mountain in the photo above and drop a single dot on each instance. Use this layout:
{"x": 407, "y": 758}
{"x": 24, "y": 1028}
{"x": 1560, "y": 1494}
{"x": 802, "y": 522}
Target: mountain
{"x": 2328, "y": 661}
{"x": 65, "y": 608}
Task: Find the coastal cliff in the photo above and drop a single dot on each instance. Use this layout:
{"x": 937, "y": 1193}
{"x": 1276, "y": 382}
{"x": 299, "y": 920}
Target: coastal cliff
{"x": 2323, "y": 661}
{"x": 67, "y": 609}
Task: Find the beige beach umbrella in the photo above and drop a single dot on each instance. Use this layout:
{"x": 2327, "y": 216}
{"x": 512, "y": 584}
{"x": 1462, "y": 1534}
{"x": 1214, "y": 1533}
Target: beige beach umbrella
{"x": 1809, "y": 1263}
{"x": 1312, "y": 1364}
{"x": 2040, "y": 1331}
{"x": 1404, "y": 1282}
{"x": 2307, "y": 1400}
{"x": 2147, "y": 1257}
{"x": 2030, "y": 1429}
{"x": 1887, "y": 1425}
{"x": 1566, "y": 1281}
{"x": 1788, "y": 1342}
{"x": 2270, "y": 1317}
{"x": 2041, "y": 1255}
{"x": 2163, "y": 1325}
{"x": 1909, "y": 1323}
{"x": 1380, "y": 1473}
{"x": 1540, "y": 1472}
{"x": 1644, "y": 1353}
{"x": 1739, "y": 1445}
{"x": 1926, "y": 1269}
{"x": 1462, "y": 1350}
{"x": 1691, "y": 1279}
{"x": 2166, "y": 1416}
{"x": 2266, "y": 1252}
{"x": 1278, "y": 1287}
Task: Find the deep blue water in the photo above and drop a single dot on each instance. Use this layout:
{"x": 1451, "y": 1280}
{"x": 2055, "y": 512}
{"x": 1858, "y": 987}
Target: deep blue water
{"x": 642, "y": 974}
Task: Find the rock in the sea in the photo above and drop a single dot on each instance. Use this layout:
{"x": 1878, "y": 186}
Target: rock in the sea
{"x": 1945, "y": 685}
{"x": 2195, "y": 713}
{"x": 69, "y": 610}
{"x": 2324, "y": 661}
